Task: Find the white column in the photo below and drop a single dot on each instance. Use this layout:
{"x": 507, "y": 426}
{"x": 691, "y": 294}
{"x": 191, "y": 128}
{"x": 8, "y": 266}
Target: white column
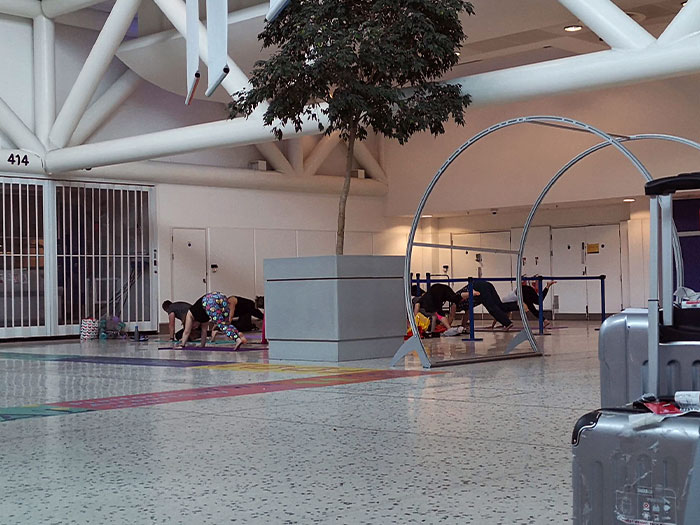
{"x": 94, "y": 68}
{"x": 686, "y": 23}
{"x": 610, "y": 23}
{"x": 237, "y": 132}
{"x": 17, "y": 131}
{"x": 103, "y": 107}
{"x": 23, "y": 8}
{"x": 295, "y": 152}
{"x": 177, "y": 14}
{"x": 54, "y": 8}
{"x": 44, "y": 77}
{"x": 320, "y": 153}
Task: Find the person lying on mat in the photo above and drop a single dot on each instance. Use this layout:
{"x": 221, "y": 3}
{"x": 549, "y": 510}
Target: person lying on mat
{"x": 178, "y": 310}
{"x": 485, "y": 294}
{"x": 431, "y": 302}
{"x": 212, "y": 310}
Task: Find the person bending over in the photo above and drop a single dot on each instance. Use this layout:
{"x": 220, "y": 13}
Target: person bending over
{"x": 431, "y": 304}
{"x": 178, "y": 310}
{"x": 244, "y": 310}
{"x": 531, "y": 300}
{"x": 212, "y": 310}
{"x": 485, "y": 294}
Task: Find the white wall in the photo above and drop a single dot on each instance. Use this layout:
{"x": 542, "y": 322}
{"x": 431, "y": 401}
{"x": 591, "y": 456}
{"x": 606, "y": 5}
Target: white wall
{"x": 510, "y": 167}
{"x": 282, "y": 224}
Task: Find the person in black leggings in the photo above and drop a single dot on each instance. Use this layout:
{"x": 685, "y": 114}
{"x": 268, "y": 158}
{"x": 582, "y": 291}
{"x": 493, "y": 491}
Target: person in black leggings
{"x": 485, "y": 294}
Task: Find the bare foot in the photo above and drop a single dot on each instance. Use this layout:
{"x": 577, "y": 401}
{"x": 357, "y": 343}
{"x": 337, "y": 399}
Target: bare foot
{"x": 508, "y": 328}
{"x": 240, "y": 341}
{"x": 546, "y": 323}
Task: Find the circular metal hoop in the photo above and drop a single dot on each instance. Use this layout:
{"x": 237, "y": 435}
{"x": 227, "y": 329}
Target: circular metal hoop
{"x": 608, "y": 140}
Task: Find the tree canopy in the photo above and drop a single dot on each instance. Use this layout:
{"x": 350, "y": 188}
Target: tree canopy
{"x": 375, "y": 63}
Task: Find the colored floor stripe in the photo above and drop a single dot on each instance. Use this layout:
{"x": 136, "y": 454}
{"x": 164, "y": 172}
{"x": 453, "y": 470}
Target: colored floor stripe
{"x": 214, "y": 392}
{"x": 109, "y": 360}
{"x": 292, "y": 369}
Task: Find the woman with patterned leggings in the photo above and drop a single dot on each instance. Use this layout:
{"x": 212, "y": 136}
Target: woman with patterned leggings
{"x": 212, "y": 309}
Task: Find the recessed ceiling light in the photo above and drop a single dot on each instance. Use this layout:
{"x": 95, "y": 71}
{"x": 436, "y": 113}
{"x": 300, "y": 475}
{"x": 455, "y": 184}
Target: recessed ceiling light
{"x": 627, "y": 200}
{"x": 573, "y": 29}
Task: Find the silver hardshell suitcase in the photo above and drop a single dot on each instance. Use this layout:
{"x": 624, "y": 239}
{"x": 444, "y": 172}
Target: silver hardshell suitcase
{"x": 630, "y": 466}
{"x": 624, "y": 339}
{"x": 623, "y": 354}
{"x": 642, "y": 476}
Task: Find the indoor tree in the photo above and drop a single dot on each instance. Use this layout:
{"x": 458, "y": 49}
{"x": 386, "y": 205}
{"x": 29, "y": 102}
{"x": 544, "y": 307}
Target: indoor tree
{"x": 362, "y": 64}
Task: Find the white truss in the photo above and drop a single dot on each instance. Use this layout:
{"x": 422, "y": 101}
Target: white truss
{"x": 58, "y": 142}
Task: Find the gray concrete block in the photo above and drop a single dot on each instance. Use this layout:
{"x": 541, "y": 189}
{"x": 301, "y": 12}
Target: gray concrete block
{"x": 354, "y": 309}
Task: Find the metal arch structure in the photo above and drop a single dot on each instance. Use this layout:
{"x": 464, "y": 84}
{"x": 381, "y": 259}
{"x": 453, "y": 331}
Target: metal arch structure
{"x": 414, "y": 344}
{"x": 678, "y": 260}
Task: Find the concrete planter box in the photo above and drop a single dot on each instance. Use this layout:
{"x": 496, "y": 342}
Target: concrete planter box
{"x": 334, "y": 308}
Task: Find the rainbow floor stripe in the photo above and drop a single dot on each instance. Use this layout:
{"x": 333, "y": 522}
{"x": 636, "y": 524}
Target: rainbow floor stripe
{"x": 194, "y": 394}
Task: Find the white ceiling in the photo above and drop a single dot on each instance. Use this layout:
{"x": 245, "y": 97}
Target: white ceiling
{"x": 502, "y": 34}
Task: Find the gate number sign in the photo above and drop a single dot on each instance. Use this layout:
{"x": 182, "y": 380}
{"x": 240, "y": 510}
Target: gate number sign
{"x": 16, "y": 159}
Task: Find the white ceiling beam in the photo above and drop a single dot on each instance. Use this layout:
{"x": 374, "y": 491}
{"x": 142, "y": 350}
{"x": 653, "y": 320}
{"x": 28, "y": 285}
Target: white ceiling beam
{"x": 54, "y": 8}
{"x": 365, "y": 158}
{"x": 686, "y": 23}
{"x": 584, "y": 72}
{"x": 93, "y": 70}
{"x": 87, "y": 19}
{"x": 17, "y": 131}
{"x": 320, "y": 153}
{"x": 579, "y": 73}
{"x": 275, "y": 158}
{"x": 23, "y": 8}
{"x": 98, "y": 113}
{"x": 610, "y": 23}
{"x": 295, "y": 152}
{"x": 44, "y": 77}
{"x": 198, "y": 175}
{"x": 223, "y": 133}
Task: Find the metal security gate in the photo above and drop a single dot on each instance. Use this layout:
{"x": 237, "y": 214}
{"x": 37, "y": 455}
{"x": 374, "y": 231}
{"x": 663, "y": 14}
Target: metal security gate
{"x": 72, "y": 251}
{"x": 104, "y": 255}
{"x": 22, "y": 266}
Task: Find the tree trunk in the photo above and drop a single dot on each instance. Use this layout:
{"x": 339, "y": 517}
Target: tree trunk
{"x": 340, "y": 239}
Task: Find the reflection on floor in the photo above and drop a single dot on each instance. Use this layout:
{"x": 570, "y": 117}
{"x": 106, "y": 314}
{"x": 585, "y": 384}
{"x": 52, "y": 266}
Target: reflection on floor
{"x": 483, "y": 443}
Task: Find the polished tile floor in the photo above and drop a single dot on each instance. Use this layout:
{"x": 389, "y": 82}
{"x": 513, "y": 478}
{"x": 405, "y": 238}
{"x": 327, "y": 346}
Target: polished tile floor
{"x": 482, "y": 443}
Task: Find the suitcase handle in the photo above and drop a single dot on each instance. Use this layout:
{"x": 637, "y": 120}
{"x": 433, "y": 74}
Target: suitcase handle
{"x": 670, "y": 185}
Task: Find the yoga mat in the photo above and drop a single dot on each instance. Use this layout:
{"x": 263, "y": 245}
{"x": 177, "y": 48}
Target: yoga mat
{"x": 515, "y": 328}
{"x": 218, "y": 348}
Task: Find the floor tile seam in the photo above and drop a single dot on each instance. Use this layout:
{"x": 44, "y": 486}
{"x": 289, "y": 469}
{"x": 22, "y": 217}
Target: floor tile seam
{"x": 83, "y": 428}
{"x": 168, "y": 407}
{"x": 389, "y": 431}
{"x": 446, "y": 400}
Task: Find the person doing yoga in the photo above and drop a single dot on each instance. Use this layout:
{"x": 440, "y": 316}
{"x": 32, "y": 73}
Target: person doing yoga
{"x": 212, "y": 310}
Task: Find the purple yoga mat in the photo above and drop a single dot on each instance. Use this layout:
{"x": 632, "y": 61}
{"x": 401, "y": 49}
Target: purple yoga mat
{"x": 218, "y": 348}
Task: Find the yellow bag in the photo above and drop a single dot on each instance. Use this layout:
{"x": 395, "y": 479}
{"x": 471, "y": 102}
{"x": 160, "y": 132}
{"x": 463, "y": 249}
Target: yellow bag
{"x": 422, "y": 322}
